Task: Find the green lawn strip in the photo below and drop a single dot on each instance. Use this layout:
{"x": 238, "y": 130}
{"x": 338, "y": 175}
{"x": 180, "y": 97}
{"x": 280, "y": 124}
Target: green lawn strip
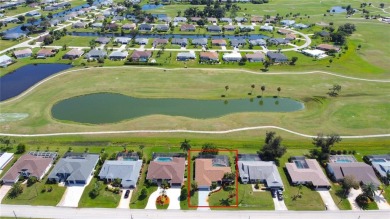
{"x": 5, "y": 44}
{"x": 105, "y": 199}
{"x": 386, "y": 194}
{"x": 73, "y": 41}
{"x": 19, "y": 10}
{"x": 194, "y": 199}
{"x": 372, "y": 206}
{"x": 337, "y": 193}
{"x": 249, "y": 200}
{"x": 34, "y": 195}
{"x": 137, "y": 202}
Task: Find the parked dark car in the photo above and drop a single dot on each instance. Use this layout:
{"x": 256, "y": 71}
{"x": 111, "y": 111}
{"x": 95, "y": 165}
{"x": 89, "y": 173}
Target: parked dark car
{"x": 280, "y": 195}
{"x": 273, "y": 193}
{"x": 127, "y": 193}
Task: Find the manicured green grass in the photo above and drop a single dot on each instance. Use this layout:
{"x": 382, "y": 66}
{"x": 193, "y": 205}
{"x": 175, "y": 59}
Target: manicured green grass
{"x": 249, "y": 200}
{"x": 320, "y": 114}
{"x": 337, "y": 194}
{"x": 34, "y": 195}
{"x": 19, "y": 10}
{"x": 73, "y": 41}
{"x": 5, "y": 44}
{"x": 136, "y": 201}
{"x": 105, "y": 199}
{"x": 194, "y": 199}
{"x": 309, "y": 200}
{"x": 372, "y": 206}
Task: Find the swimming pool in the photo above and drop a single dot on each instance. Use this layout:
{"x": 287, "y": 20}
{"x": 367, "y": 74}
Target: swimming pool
{"x": 343, "y": 161}
{"x": 301, "y": 164}
{"x": 163, "y": 159}
{"x": 378, "y": 160}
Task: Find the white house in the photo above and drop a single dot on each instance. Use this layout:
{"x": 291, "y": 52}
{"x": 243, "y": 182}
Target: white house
{"x": 5, "y": 158}
{"x": 316, "y": 53}
{"x": 232, "y": 57}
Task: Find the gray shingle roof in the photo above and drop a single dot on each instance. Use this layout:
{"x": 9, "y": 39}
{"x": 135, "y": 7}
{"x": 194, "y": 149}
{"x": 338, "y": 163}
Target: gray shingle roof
{"x": 127, "y": 171}
{"x": 77, "y": 167}
{"x": 262, "y": 171}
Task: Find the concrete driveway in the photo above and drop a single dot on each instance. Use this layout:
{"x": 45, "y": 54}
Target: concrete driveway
{"x": 279, "y": 205}
{"x": 152, "y": 199}
{"x": 174, "y": 197}
{"x": 4, "y": 190}
{"x": 203, "y": 199}
{"x": 328, "y": 200}
{"x": 72, "y": 196}
{"x": 380, "y": 201}
{"x": 352, "y": 196}
{"x": 125, "y": 202}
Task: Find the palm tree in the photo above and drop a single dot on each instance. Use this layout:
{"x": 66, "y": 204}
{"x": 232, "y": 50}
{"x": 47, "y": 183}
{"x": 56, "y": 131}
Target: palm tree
{"x": 279, "y": 89}
{"x": 253, "y": 87}
{"x": 185, "y": 145}
{"x": 262, "y": 89}
{"x": 226, "y": 89}
{"x": 369, "y": 190}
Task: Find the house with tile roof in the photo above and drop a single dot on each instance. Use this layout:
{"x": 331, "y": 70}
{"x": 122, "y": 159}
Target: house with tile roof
{"x": 23, "y": 53}
{"x": 170, "y": 169}
{"x": 306, "y": 171}
{"x": 28, "y": 165}
{"x": 140, "y": 56}
{"x": 209, "y": 170}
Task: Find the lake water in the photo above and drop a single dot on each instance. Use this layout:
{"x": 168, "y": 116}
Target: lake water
{"x": 338, "y": 9}
{"x": 150, "y": 7}
{"x": 102, "y": 108}
{"x": 23, "y": 78}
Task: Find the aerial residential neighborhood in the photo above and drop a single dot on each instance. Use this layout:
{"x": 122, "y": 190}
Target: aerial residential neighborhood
{"x": 194, "y": 109}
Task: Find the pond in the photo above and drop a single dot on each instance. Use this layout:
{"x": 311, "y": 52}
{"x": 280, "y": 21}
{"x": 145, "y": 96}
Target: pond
{"x": 338, "y": 9}
{"x": 150, "y": 7}
{"x": 102, "y": 108}
{"x": 23, "y": 78}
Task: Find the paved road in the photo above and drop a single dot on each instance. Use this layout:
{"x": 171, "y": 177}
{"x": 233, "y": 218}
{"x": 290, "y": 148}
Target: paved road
{"x": 97, "y": 213}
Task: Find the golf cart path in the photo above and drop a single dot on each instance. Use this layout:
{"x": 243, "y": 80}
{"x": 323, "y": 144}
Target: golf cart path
{"x": 189, "y": 131}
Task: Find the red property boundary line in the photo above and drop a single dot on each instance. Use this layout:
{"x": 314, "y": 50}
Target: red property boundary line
{"x": 189, "y": 173}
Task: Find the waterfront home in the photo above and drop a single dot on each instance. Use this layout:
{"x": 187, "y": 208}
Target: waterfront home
{"x": 187, "y": 27}
{"x": 219, "y": 42}
{"x": 73, "y": 54}
{"x": 180, "y": 41}
{"x": 96, "y": 54}
{"x": 44, "y": 53}
{"x": 23, "y": 53}
{"x": 5, "y": 61}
